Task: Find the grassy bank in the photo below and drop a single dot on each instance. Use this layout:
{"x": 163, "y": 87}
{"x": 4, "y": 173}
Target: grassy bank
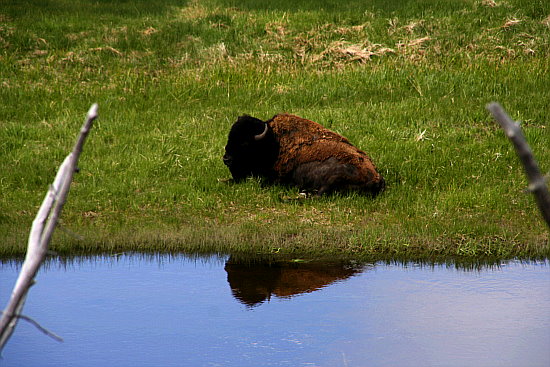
{"x": 405, "y": 81}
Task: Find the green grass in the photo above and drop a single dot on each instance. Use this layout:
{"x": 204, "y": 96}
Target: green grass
{"x": 406, "y": 81}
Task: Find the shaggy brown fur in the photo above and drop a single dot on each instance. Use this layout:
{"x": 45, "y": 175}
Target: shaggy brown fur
{"x": 302, "y": 141}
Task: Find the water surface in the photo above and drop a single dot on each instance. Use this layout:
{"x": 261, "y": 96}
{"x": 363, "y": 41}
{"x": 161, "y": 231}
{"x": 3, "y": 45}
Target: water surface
{"x": 165, "y": 310}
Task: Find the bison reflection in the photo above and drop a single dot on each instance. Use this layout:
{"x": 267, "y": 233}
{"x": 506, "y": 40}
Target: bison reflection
{"x": 253, "y": 283}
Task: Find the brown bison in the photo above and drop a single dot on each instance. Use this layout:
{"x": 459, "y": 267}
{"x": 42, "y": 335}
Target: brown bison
{"x": 292, "y": 150}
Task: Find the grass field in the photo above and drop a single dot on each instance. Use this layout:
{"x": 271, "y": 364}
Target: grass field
{"x": 406, "y": 81}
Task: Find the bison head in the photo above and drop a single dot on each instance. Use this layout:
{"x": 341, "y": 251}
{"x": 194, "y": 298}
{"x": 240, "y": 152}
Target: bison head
{"x": 251, "y": 149}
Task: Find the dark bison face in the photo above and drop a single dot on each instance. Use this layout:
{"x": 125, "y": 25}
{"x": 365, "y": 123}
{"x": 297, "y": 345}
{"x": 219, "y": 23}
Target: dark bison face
{"x": 251, "y": 149}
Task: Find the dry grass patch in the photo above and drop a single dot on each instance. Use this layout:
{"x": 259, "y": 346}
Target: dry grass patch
{"x": 194, "y": 11}
{"x": 344, "y": 51}
{"x": 511, "y": 22}
{"x": 149, "y": 31}
{"x": 489, "y": 3}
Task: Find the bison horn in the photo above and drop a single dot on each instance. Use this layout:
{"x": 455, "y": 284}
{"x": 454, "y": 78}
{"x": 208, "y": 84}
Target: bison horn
{"x": 262, "y": 135}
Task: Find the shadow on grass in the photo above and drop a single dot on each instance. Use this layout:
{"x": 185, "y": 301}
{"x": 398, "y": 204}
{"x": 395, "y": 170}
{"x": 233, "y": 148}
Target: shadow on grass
{"x": 89, "y": 8}
{"x": 382, "y": 7}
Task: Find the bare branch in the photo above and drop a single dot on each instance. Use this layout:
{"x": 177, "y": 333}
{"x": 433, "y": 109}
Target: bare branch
{"x": 537, "y": 183}
{"x": 41, "y": 232}
{"x": 37, "y": 325}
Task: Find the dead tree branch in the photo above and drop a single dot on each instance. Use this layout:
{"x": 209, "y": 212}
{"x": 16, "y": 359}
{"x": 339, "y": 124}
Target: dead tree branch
{"x": 35, "y": 323}
{"x": 41, "y": 232}
{"x": 537, "y": 183}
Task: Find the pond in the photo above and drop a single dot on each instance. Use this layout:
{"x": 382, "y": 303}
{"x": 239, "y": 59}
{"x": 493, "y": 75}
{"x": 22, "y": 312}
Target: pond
{"x": 175, "y": 310}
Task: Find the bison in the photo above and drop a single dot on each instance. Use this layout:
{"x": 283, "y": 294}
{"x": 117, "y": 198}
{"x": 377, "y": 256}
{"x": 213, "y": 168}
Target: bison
{"x": 291, "y": 150}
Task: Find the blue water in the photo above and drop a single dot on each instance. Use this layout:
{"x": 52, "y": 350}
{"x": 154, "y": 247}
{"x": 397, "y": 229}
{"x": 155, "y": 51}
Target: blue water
{"x": 136, "y": 310}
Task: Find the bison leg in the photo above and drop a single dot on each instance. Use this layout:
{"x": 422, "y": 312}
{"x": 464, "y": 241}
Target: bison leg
{"x": 324, "y": 177}
{"x": 331, "y": 175}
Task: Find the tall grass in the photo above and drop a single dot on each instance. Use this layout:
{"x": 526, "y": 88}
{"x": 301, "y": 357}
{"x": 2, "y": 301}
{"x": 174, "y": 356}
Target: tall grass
{"x": 405, "y": 81}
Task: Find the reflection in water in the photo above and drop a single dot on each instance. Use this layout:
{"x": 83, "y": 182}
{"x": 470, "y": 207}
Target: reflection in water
{"x": 254, "y": 282}
{"x": 171, "y": 310}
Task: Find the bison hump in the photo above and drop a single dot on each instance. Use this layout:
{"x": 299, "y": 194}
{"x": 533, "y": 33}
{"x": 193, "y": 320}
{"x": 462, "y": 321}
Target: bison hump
{"x": 290, "y": 128}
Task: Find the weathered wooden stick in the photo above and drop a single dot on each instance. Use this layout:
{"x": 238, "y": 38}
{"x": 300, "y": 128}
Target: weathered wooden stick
{"x": 537, "y": 183}
{"x": 41, "y": 232}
